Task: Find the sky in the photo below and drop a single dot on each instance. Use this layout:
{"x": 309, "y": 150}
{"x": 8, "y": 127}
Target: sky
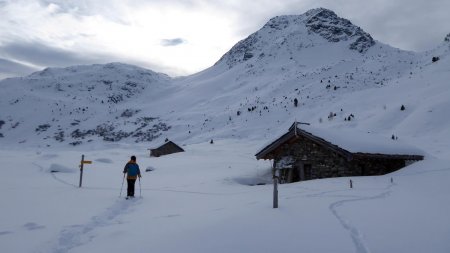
{"x": 182, "y": 37}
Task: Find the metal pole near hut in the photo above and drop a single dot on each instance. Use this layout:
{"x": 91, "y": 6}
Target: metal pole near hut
{"x": 275, "y": 189}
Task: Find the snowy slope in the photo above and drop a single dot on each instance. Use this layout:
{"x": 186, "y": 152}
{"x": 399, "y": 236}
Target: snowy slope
{"x": 315, "y": 58}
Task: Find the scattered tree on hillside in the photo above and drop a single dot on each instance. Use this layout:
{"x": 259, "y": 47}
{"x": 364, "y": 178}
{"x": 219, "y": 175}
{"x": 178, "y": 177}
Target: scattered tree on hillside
{"x": 295, "y": 102}
{"x": 402, "y": 108}
{"x": 435, "y": 59}
{"x": 331, "y": 115}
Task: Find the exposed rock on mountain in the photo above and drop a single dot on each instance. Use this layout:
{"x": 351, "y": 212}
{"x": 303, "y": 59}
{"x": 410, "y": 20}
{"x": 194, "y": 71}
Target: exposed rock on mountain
{"x": 298, "y": 29}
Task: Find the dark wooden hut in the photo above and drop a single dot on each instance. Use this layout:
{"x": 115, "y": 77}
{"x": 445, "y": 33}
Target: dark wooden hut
{"x": 169, "y": 147}
{"x": 303, "y": 154}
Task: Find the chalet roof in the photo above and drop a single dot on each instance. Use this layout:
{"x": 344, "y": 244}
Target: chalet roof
{"x": 347, "y": 143}
{"x": 160, "y": 145}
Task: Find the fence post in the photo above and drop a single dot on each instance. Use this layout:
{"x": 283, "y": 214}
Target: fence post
{"x": 351, "y": 184}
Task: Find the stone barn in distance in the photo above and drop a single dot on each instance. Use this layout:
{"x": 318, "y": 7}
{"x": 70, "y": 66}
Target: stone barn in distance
{"x": 305, "y": 153}
{"x": 169, "y": 147}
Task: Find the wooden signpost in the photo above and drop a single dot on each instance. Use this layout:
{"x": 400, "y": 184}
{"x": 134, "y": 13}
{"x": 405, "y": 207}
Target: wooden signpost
{"x": 83, "y": 162}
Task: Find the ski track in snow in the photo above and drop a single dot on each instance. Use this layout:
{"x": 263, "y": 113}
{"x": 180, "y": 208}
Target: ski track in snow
{"x": 78, "y": 235}
{"x": 356, "y": 235}
{"x": 194, "y": 192}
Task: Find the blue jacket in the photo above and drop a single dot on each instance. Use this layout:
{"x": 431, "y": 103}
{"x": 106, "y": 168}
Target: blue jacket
{"x": 132, "y": 170}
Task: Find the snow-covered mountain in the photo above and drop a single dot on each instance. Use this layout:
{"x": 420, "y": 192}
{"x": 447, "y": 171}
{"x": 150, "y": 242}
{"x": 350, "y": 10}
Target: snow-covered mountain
{"x": 285, "y": 35}
{"x": 80, "y": 102}
{"x": 338, "y": 74}
{"x": 315, "y": 67}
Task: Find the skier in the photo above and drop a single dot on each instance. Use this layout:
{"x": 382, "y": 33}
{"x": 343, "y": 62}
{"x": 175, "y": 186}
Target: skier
{"x": 133, "y": 172}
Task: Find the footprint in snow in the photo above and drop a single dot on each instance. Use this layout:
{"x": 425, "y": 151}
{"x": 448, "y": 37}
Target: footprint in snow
{"x": 104, "y": 160}
{"x": 5, "y": 232}
{"x": 168, "y": 216}
{"x": 33, "y": 226}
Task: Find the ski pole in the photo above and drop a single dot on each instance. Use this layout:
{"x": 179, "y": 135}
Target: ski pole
{"x": 123, "y": 180}
{"x": 140, "y": 188}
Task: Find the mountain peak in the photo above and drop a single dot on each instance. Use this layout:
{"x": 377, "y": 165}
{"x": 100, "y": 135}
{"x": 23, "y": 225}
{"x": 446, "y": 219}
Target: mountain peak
{"x": 299, "y": 32}
{"x": 320, "y": 12}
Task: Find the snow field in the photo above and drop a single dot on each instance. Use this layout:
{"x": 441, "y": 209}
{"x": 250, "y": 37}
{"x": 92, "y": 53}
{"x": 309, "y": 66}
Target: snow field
{"x": 197, "y": 201}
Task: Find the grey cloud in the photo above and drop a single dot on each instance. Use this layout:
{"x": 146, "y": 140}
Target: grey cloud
{"x": 11, "y": 69}
{"x": 172, "y": 42}
{"x": 39, "y": 54}
{"x": 109, "y": 9}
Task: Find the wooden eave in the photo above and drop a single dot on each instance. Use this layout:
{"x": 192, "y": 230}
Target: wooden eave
{"x": 388, "y": 156}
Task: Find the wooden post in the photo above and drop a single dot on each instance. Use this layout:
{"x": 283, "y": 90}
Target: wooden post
{"x": 351, "y": 184}
{"x": 81, "y": 170}
{"x": 275, "y": 191}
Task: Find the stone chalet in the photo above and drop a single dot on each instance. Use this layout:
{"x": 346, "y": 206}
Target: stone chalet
{"x": 305, "y": 153}
{"x": 168, "y": 147}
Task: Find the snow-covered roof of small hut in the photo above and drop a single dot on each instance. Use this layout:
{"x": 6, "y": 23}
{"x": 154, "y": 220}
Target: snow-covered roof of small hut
{"x": 159, "y": 144}
{"x": 354, "y": 141}
{"x": 362, "y": 142}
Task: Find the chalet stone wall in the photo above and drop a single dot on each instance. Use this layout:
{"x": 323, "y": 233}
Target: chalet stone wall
{"x": 371, "y": 167}
{"x": 325, "y": 163}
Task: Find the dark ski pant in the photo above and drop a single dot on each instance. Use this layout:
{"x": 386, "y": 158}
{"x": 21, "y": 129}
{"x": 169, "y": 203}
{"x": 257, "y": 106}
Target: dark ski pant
{"x": 130, "y": 190}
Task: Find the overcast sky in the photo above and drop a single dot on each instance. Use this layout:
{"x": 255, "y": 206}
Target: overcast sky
{"x": 181, "y": 37}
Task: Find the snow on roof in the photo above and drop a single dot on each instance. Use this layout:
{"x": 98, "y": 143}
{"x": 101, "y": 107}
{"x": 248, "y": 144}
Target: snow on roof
{"x": 159, "y": 144}
{"x": 362, "y": 142}
{"x": 355, "y": 141}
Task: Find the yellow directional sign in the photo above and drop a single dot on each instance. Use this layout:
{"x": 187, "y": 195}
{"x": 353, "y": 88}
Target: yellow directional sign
{"x": 87, "y": 162}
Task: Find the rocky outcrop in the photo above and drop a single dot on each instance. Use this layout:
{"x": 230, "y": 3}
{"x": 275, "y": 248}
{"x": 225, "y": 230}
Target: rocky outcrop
{"x": 335, "y": 29}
